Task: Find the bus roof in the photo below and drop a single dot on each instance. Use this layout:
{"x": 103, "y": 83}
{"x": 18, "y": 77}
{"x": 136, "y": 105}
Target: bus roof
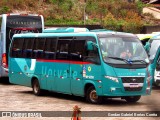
{"x": 144, "y": 36}
{"x": 65, "y": 30}
{"x": 101, "y": 30}
{"x": 102, "y": 34}
{"x": 22, "y": 14}
{"x": 156, "y": 37}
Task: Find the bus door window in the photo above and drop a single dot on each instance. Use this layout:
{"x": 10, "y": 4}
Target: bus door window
{"x": 27, "y": 47}
{"x": 63, "y": 49}
{"x": 50, "y": 47}
{"x": 76, "y": 54}
{"x": 63, "y": 81}
{"x": 38, "y": 48}
{"x": 17, "y": 48}
{"x": 77, "y": 50}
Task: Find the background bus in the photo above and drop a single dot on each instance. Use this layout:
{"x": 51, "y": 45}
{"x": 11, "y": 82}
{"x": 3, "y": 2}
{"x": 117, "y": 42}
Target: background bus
{"x": 153, "y": 49}
{"x": 15, "y": 24}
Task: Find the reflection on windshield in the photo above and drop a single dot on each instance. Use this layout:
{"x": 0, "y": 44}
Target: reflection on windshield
{"x": 124, "y": 48}
{"x": 154, "y": 46}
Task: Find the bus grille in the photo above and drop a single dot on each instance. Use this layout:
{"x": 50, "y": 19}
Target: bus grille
{"x": 132, "y": 80}
{"x": 132, "y": 89}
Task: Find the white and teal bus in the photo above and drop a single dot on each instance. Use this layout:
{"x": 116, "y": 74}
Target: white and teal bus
{"x": 14, "y": 24}
{"x": 87, "y": 64}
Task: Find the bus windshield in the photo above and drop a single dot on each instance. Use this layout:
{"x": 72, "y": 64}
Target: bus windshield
{"x": 120, "y": 50}
{"x": 21, "y": 24}
{"x": 154, "y": 47}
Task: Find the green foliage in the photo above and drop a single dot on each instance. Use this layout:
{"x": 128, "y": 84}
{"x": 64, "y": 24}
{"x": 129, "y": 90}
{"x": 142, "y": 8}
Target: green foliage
{"x": 118, "y": 15}
{"x": 140, "y": 5}
{"x": 4, "y": 9}
{"x": 62, "y": 22}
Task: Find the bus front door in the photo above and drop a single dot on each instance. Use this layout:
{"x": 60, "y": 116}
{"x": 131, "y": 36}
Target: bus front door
{"x": 76, "y": 79}
{"x": 62, "y": 78}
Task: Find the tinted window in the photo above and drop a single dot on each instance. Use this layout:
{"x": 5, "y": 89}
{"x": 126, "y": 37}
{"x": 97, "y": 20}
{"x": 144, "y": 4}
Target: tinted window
{"x": 77, "y": 50}
{"x": 28, "y": 47}
{"x": 50, "y": 47}
{"x": 38, "y": 48}
{"x": 17, "y": 47}
{"x": 92, "y": 55}
{"x": 63, "y": 50}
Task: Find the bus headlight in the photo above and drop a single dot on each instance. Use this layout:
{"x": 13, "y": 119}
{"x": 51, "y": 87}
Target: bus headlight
{"x": 112, "y": 78}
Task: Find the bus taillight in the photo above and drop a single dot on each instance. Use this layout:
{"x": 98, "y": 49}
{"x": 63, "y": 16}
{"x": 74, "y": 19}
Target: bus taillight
{"x": 4, "y": 60}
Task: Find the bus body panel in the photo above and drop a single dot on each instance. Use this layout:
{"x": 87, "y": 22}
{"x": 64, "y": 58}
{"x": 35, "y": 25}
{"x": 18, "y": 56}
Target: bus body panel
{"x": 23, "y": 71}
{"x": 77, "y": 80}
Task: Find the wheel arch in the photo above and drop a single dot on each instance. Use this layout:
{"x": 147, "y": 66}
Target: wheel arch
{"x": 33, "y": 78}
{"x": 88, "y": 85}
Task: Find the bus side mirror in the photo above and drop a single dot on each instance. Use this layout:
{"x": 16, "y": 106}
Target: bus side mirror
{"x": 90, "y": 45}
{"x": 147, "y": 47}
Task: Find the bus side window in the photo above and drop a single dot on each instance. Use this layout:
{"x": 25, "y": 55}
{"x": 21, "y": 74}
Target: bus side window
{"x": 49, "y": 50}
{"x": 38, "y": 48}
{"x": 77, "y": 50}
{"x": 17, "y": 47}
{"x": 92, "y": 55}
{"x": 62, "y": 50}
{"x": 28, "y": 47}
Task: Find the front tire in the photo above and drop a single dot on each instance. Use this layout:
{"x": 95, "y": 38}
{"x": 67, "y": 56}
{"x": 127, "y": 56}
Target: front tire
{"x": 92, "y": 97}
{"x": 36, "y": 88}
{"x": 132, "y": 99}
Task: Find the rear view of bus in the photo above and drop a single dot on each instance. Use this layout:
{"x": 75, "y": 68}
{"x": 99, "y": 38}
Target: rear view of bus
{"x": 15, "y": 24}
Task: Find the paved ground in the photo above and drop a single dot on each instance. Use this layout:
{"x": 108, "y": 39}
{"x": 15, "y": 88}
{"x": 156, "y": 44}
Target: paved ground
{"x": 19, "y": 98}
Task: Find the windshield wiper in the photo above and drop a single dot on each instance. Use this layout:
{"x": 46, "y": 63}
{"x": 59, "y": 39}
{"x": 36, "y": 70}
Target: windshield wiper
{"x": 117, "y": 58}
{"x": 128, "y": 61}
{"x": 142, "y": 61}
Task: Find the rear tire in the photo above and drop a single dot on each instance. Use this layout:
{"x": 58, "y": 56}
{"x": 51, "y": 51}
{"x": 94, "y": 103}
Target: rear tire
{"x": 92, "y": 97}
{"x": 36, "y": 88}
{"x": 132, "y": 99}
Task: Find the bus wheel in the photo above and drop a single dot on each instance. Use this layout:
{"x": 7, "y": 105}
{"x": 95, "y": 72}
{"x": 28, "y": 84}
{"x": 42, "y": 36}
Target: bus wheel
{"x": 92, "y": 97}
{"x": 36, "y": 87}
{"x": 132, "y": 99}
{"x": 157, "y": 84}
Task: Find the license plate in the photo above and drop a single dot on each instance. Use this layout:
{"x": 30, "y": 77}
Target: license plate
{"x": 134, "y": 85}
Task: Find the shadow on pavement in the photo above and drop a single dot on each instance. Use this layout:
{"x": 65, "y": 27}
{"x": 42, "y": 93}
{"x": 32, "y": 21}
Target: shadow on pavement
{"x": 5, "y": 81}
{"x": 107, "y": 101}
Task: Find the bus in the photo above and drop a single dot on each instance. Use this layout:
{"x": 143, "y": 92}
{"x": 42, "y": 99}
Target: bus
{"x": 87, "y": 64}
{"x": 153, "y": 49}
{"x": 15, "y": 24}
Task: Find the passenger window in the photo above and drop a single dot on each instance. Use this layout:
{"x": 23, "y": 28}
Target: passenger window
{"x": 92, "y": 55}
{"x": 28, "y": 47}
{"x": 63, "y": 49}
{"x": 38, "y": 48}
{"x": 49, "y": 50}
{"x": 17, "y": 48}
{"x": 77, "y": 50}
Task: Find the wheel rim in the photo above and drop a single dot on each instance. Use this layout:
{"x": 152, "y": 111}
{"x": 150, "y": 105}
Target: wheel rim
{"x": 36, "y": 87}
{"x": 93, "y": 96}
